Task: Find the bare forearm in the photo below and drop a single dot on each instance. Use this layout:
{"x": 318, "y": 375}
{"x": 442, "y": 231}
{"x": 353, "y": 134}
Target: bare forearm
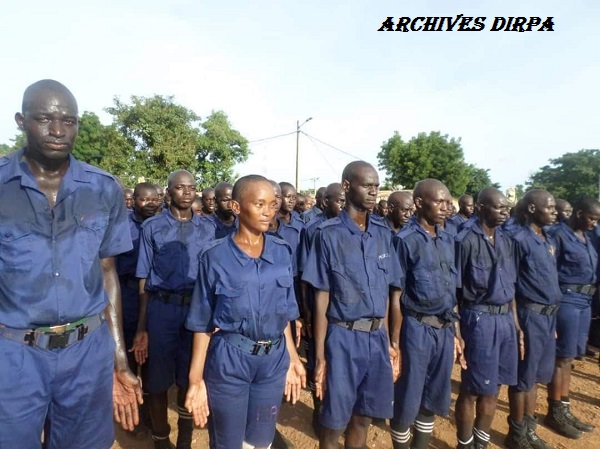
{"x": 289, "y": 344}
{"x": 320, "y": 323}
{"x": 144, "y": 297}
{"x": 395, "y": 317}
{"x": 113, "y": 310}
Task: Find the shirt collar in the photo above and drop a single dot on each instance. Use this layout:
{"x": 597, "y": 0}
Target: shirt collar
{"x": 172, "y": 220}
{"x": 353, "y": 227}
{"x": 244, "y": 259}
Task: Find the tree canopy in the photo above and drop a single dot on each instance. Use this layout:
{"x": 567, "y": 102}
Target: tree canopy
{"x": 570, "y": 176}
{"x": 151, "y": 137}
{"x": 431, "y": 155}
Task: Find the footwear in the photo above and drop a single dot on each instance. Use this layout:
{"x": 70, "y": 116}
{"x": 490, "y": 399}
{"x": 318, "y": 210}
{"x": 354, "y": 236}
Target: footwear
{"x": 280, "y": 442}
{"x": 517, "y": 435}
{"x": 534, "y": 440}
{"x": 466, "y": 446}
{"x": 514, "y": 441}
{"x": 576, "y": 422}
{"x": 557, "y": 420}
{"x": 165, "y": 443}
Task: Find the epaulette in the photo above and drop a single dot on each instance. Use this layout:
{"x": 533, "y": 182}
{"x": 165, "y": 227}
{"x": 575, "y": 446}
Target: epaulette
{"x": 150, "y": 220}
{"x": 279, "y": 241}
{"x": 92, "y": 169}
{"x": 4, "y": 160}
{"x": 462, "y": 234}
{"x": 379, "y": 222}
{"x": 331, "y": 222}
{"x": 406, "y": 230}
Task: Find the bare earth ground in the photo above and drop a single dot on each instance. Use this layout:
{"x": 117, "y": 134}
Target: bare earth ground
{"x": 294, "y": 421}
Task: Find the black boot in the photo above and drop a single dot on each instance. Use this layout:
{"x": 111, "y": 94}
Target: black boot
{"x": 575, "y": 422}
{"x": 557, "y": 420}
{"x": 185, "y": 427}
{"x": 478, "y": 444}
{"x": 534, "y": 440}
{"x": 162, "y": 443}
{"x": 469, "y": 445}
{"x": 517, "y": 436}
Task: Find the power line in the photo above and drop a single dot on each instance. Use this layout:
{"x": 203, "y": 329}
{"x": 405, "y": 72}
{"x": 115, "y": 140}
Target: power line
{"x": 331, "y": 146}
{"x": 273, "y": 137}
{"x": 322, "y": 154}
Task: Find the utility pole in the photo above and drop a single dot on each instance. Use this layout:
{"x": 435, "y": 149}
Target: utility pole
{"x": 298, "y": 126}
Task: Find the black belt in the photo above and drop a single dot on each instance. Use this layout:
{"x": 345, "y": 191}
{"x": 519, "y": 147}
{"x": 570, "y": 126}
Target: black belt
{"x": 541, "y": 308}
{"x": 54, "y": 337}
{"x": 362, "y": 325}
{"x": 586, "y": 289}
{"x": 492, "y": 309}
{"x": 180, "y": 299}
{"x": 430, "y": 320}
{"x": 245, "y": 344}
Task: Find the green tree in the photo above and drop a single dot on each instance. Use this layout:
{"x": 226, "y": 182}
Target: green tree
{"x": 92, "y": 139}
{"x": 160, "y": 136}
{"x": 479, "y": 178}
{"x": 570, "y": 176}
{"x": 426, "y": 156}
{"x": 220, "y": 147}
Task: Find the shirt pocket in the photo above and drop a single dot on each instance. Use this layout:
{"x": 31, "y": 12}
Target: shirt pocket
{"x": 284, "y": 283}
{"x": 342, "y": 287}
{"x": 480, "y": 275}
{"x": 90, "y": 233}
{"x": 15, "y": 248}
{"x": 231, "y": 306}
{"x": 426, "y": 287}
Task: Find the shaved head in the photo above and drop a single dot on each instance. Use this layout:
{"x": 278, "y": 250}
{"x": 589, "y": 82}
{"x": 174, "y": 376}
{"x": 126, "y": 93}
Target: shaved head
{"x": 489, "y": 196}
{"x": 427, "y": 187}
{"x": 243, "y": 184}
{"x": 222, "y": 188}
{"x": 46, "y": 89}
{"x": 536, "y": 197}
{"x": 177, "y": 175}
{"x": 397, "y": 198}
{"x": 352, "y": 169}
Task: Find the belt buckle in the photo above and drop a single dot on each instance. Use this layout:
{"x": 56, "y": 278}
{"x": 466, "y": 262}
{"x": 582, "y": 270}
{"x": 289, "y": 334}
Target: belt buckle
{"x": 59, "y": 329}
{"x": 266, "y": 344}
{"x": 375, "y": 324}
{"x": 58, "y": 341}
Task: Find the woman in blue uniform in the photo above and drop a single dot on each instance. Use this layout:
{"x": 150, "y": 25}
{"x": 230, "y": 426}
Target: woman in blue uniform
{"x": 244, "y": 357}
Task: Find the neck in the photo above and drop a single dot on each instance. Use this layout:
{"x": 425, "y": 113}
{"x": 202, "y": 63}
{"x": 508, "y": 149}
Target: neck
{"x": 360, "y": 217}
{"x": 225, "y": 218}
{"x": 49, "y": 168}
{"x": 429, "y": 227}
{"x": 181, "y": 214}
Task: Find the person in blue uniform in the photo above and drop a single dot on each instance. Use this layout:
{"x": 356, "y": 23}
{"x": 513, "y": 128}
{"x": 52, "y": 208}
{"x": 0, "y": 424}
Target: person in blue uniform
{"x": 62, "y": 222}
{"x": 317, "y": 209}
{"x": 128, "y": 196}
{"x": 300, "y": 206}
{"x": 244, "y": 289}
{"x": 288, "y": 203}
{"x": 145, "y": 205}
{"x": 430, "y": 334}
{"x": 577, "y": 261}
{"x": 563, "y": 209}
{"x": 352, "y": 270}
{"x": 382, "y": 208}
{"x": 538, "y": 295}
{"x": 400, "y": 209}
{"x": 488, "y": 321}
{"x": 223, "y": 222}
{"x": 465, "y": 210}
{"x": 333, "y": 203}
{"x": 167, "y": 267}
{"x": 209, "y": 202}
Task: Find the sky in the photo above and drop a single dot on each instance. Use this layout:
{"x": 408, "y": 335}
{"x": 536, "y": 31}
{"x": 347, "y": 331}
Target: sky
{"x": 515, "y": 99}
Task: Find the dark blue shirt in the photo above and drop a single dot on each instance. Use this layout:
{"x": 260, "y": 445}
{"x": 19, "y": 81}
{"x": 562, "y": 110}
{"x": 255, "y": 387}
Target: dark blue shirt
{"x": 428, "y": 276}
{"x": 451, "y": 228}
{"x": 127, "y": 262}
{"x": 537, "y": 275}
{"x": 457, "y": 220}
{"x": 511, "y": 227}
{"x": 307, "y": 237}
{"x": 291, "y": 234}
{"x": 486, "y": 272}
{"x": 311, "y": 213}
{"x": 577, "y": 261}
{"x": 355, "y": 267}
{"x": 237, "y": 293}
{"x": 169, "y": 249}
{"x": 213, "y": 228}
{"x": 50, "y": 271}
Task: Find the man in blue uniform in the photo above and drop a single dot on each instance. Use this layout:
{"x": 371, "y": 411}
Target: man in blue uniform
{"x": 430, "y": 333}
{"x": 128, "y": 195}
{"x": 352, "y": 268}
{"x": 244, "y": 289}
{"x": 465, "y": 210}
{"x": 486, "y": 289}
{"x": 145, "y": 205}
{"x": 400, "y": 209}
{"x": 317, "y": 209}
{"x": 577, "y": 262}
{"x": 563, "y": 209}
{"x": 382, "y": 208}
{"x": 223, "y": 222}
{"x": 333, "y": 203}
{"x": 62, "y": 222}
{"x": 537, "y": 294}
{"x": 209, "y": 202}
{"x": 167, "y": 268}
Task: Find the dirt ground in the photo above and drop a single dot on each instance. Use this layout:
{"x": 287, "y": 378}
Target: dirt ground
{"x": 294, "y": 421}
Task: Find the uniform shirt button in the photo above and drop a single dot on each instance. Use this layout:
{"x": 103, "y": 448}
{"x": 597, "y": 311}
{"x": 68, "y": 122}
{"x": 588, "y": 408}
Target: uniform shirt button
{"x": 56, "y": 274}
